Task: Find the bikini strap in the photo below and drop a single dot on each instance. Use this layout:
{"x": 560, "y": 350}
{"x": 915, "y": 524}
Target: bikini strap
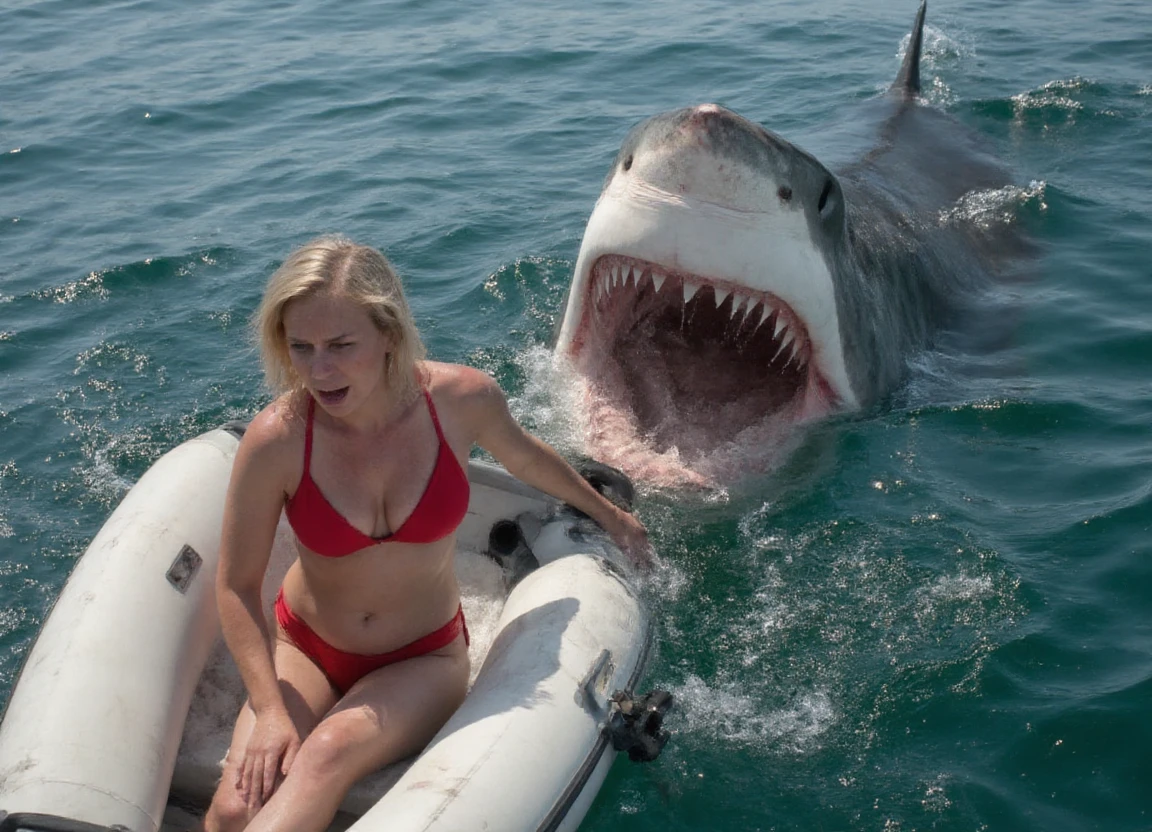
{"x": 432, "y": 412}
{"x": 308, "y": 437}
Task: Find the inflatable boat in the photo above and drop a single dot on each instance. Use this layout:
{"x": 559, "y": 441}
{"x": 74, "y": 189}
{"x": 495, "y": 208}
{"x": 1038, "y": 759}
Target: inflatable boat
{"x": 124, "y": 708}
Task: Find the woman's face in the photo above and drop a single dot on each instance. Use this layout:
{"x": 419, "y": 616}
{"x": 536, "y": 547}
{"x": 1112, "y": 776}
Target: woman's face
{"x": 336, "y": 350}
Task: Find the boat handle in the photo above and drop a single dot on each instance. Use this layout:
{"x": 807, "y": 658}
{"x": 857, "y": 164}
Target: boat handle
{"x": 594, "y": 678}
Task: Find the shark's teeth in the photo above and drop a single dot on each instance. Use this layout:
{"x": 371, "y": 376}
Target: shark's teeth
{"x": 783, "y": 349}
{"x": 789, "y": 346}
{"x": 790, "y": 349}
{"x": 750, "y": 310}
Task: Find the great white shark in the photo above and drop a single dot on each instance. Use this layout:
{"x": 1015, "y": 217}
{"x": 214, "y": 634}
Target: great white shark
{"x": 730, "y": 287}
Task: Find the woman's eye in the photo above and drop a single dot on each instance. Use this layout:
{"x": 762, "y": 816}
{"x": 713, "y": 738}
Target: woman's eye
{"x": 298, "y": 347}
{"x": 341, "y": 346}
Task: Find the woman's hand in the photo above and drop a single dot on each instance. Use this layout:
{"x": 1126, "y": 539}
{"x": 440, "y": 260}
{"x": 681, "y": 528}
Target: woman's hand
{"x": 630, "y": 535}
{"x": 271, "y": 749}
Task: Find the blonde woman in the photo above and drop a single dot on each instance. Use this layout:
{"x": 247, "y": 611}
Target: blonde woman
{"x": 364, "y": 449}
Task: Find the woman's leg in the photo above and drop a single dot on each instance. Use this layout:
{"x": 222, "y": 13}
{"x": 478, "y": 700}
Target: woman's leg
{"x": 388, "y": 715}
{"x": 308, "y": 696}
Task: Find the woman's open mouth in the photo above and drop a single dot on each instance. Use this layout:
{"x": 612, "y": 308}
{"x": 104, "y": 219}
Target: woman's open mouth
{"x": 332, "y": 397}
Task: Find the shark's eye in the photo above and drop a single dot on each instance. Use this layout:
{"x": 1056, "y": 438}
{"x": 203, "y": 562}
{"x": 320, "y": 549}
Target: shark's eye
{"x": 824, "y": 194}
{"x": 628, "y": 163}
{"x": 785, "y": 193}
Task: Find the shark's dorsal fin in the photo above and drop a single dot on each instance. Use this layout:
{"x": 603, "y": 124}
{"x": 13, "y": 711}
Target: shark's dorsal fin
{"x": 907, "y": 82}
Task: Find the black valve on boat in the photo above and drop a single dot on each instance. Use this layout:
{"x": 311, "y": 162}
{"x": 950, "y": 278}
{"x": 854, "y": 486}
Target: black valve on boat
{"x": 636, "y": 723}
{"x": 611, "y": 482}
{"x": 506, "y": 546}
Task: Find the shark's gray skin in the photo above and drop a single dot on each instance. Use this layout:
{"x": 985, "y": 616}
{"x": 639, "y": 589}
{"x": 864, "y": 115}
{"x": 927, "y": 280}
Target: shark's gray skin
{"x": 729, "y": 286}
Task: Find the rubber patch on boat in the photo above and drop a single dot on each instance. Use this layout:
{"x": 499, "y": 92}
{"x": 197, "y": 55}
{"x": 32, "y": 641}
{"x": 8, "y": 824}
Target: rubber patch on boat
{"x": 184, "y": 568}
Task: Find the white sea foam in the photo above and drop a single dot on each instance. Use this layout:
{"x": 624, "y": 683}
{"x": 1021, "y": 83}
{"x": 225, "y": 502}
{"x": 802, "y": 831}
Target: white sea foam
{"x": 999, "y": 206}
{"x": 10, "y": 619}
{"x": 1058, "y": 94}
{"x": 959, "y": 588}
{"x": 549, "y": 400}
{"x": 108, "y": 353}
{"x": 91, "y": 285}
{"x": 935, "y": 796}
{"x": 725, "y": 713}
{"x": 100, "y": 476}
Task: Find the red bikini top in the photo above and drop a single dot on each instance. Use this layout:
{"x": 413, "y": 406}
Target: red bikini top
{"x": 438, "y": 513}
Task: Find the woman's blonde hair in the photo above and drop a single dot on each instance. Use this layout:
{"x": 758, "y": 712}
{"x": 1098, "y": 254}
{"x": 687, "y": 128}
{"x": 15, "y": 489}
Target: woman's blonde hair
{"x": 359, "y": 273}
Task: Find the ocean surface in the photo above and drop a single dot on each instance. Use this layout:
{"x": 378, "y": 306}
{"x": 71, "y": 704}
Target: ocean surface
{"x": 936, "y": 615}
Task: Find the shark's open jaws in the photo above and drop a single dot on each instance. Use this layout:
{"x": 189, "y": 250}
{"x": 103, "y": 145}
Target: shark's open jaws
{"x": 730, "y": 287}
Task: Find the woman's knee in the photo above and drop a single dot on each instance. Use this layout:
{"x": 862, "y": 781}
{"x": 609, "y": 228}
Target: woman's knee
{"x": 325, "y": 755}
{"x": 228, "y": 812}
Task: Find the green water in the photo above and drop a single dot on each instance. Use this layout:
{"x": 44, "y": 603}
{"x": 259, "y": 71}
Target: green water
{"x": 934, "y": 616}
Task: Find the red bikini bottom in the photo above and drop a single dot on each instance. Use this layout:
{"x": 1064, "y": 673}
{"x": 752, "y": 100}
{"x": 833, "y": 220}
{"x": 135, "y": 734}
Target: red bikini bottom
{"x": 344, "y": 669}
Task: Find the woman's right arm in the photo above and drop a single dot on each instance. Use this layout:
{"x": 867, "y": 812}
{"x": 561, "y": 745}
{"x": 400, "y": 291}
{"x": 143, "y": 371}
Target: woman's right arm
{"x": 256, "y": 494}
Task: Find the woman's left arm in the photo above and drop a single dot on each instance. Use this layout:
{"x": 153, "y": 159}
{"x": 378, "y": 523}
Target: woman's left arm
{"x": 535, "y": 462}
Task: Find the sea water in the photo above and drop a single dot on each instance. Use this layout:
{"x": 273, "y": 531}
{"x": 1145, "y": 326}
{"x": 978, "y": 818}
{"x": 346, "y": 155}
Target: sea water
{"x": 935, "y": 615}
